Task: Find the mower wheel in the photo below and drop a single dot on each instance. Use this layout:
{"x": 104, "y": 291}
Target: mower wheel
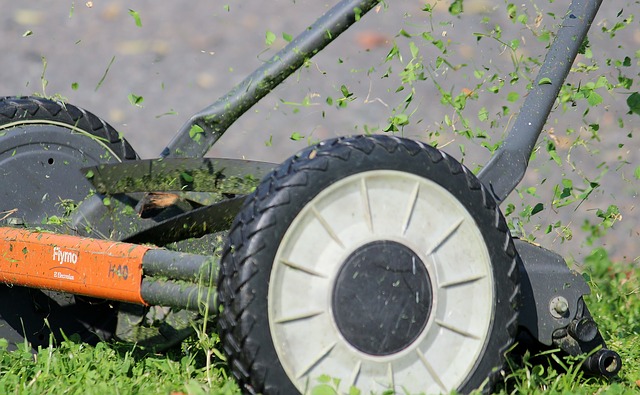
{"x": 43, "y": 146}
{"x": 377, "y": 261}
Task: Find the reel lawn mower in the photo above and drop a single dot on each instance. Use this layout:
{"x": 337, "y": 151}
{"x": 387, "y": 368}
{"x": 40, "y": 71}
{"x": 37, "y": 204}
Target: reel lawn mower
{"x": 378, "y": 260}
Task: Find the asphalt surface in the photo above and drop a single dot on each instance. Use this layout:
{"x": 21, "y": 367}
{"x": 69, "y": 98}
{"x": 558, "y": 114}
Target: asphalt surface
{"x": 187, "y": 54}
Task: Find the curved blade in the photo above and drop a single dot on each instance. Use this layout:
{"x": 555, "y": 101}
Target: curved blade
{"x": 233, "y": 176}
{"x": 195, "y": 223}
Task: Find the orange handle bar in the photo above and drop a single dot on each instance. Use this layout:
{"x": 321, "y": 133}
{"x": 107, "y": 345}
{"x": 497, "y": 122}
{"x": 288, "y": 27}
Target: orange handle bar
{"x": 98, "y": 268}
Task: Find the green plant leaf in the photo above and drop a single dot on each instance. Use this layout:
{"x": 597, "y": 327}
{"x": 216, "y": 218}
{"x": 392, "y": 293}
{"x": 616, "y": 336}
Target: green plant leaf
{"x": 414, "y": 49}
{"x": 483, "y": 114}
{"x": 186, "y": 177}
{"x": 633, "y": 101}
{"x": 537, "y": 208}
{"x": 513, "y": 97}
{"x": 136, "y": 100}
{"x": 269, "y": 38}
{"x": 544, "y": 81}
{"x": 295, "y": 136}
{"x": 323, "y": 389}
{"x": 106, "y": 71}
{"x": 196, "y": 132}
{"x": 136, "y": 17}
{"x": 456, "y": 7}
{"x": 401, "y": 119}
{"x": 594, "y": 98}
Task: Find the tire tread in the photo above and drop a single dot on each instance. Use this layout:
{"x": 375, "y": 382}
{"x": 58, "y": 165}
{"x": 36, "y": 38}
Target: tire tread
{"x": 26, "y": 108}
{"x": 295, "y": 173}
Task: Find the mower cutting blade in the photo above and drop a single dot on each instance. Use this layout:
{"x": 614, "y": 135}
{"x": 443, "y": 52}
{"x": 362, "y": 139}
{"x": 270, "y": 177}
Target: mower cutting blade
{"x": 177, "y": 174}
{"x": 195, "y": 223}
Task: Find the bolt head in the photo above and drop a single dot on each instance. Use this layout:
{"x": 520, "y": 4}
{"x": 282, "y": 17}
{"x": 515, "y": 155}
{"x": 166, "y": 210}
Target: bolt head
{"x": 559, "y": 307}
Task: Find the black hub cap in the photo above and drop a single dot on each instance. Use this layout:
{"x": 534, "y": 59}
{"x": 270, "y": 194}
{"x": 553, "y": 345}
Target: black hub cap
{"x": 382, "y": 298}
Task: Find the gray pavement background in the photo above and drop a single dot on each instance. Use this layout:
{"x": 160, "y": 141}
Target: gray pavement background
{"x": 187, "y": 54}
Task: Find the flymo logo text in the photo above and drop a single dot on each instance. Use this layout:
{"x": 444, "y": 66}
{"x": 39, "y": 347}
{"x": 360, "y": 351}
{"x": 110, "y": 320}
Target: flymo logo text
{"x": 63, "y": 257}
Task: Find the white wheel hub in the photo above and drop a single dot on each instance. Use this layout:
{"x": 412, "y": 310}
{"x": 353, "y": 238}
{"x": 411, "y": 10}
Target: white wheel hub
{"x": 436, "y": 230}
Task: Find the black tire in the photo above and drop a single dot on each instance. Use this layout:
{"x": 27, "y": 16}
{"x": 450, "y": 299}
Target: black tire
{"x": 31, "y": 128}
{"x": 247, "y": 276}
{"x": 43, "y": 144}
{"x": 20, "y": 111}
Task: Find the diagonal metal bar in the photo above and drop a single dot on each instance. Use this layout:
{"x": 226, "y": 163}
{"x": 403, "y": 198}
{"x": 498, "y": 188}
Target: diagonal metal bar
{"x": 508, "y": 166}
{"x": 203, "y": 129}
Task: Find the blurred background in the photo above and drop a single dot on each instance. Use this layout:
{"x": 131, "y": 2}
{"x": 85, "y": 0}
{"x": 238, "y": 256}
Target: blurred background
{"x": 146, "y": 68}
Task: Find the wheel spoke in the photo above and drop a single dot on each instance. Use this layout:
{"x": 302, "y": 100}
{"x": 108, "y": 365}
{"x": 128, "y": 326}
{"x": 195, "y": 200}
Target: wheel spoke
{"x": 303, "y": 269}
{"x": 326, "y": 226}
{"x": 364, "y": 192}
{"x": 410, "y": 208}
{"x": 445, "y": 236}
{"x": 355, "y": 373}
{"x": 297, "y": 317}
{"x": 462, "y": 281}
{"x": 459, "y": 331}
{"x": 323, "y": 354}
{"x": 431, "y": 370}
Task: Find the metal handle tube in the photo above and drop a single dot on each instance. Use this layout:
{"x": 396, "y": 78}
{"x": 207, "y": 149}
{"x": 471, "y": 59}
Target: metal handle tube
{"x": 507, "y": 167}
{"x": 198, "y": 272}
{"x": 185, "y": 296}
{"x": 216, "y": 119}
{"x": 180, "y": 266}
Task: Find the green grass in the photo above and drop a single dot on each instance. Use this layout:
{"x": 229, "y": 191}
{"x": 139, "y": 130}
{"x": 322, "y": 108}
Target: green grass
{"x": 197, "y": 367}
{"x": 77, "y": 368}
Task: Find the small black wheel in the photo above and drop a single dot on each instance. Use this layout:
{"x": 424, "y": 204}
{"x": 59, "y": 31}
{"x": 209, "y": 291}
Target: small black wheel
{"x": 43, "y": 145}
{"x": 375, "y": 260}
